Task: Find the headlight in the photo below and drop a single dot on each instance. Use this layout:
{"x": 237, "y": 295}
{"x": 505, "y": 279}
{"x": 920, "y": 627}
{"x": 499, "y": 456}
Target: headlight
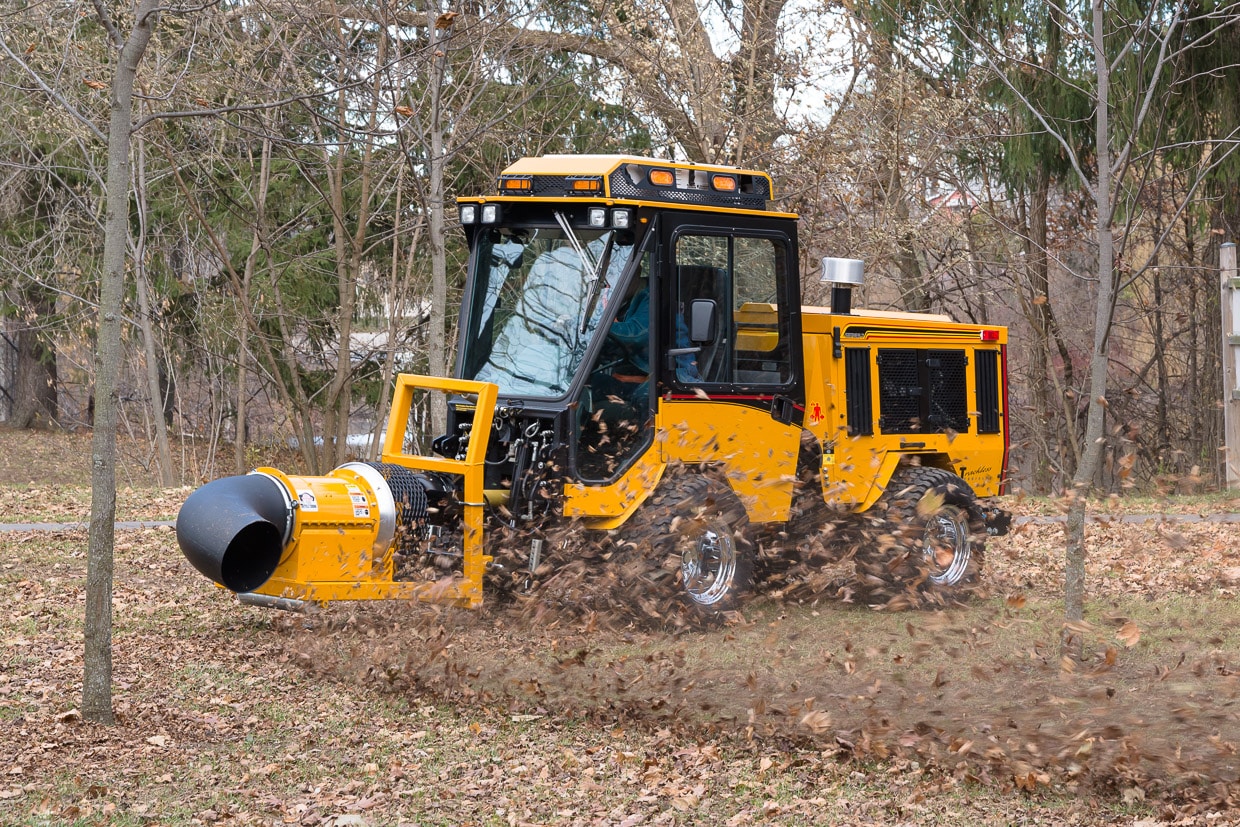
{"x": 621, "y": 219}
{"x": 469, "y": 213}
{"x": 598, "y": 217}
{"x": 490, "y": 213}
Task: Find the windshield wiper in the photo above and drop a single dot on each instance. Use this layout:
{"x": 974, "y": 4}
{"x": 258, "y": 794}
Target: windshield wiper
{"x": 583, "y": 255}
{"x": 596, "y": 267}
{"x": 596, "y": 286}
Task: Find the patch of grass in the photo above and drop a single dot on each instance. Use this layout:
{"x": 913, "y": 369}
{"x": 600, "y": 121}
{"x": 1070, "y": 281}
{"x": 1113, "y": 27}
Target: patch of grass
{"x": 70, "y": 504}
{"x": 1131, "y": 502}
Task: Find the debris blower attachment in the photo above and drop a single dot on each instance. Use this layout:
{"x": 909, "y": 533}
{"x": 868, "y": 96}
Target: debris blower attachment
{"x": 272, "y": 537}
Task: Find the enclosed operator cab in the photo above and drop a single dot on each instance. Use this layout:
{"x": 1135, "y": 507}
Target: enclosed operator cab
{"x": 631, "y": 314}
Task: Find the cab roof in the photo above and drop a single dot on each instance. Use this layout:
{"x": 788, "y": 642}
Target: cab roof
{"x": 604, "y": 165}
{"x": 636, "y": 178}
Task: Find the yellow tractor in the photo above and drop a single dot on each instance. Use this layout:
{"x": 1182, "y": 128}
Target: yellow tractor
{"x": 634, "y": 361}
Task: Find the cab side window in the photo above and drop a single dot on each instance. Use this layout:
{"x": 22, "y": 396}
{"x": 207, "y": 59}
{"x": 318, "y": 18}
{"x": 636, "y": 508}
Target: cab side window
{"x": 736, "y": 283}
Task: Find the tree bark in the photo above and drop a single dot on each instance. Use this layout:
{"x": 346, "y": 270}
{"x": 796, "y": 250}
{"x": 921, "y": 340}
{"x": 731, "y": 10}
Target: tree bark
{"x": 34, "y": 386}
{"x": 97, "y": 670}
{"x": 243, "y": 347}
{"x": 167, "y": 474}
{"x": 1091, "y": 455}
{"x": 1039, "y": 354}
{"x": 437, "y": 352}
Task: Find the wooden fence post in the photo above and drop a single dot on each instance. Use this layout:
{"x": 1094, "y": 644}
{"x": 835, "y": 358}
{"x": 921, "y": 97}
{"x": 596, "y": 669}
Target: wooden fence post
{"x": 1229, "y": 301}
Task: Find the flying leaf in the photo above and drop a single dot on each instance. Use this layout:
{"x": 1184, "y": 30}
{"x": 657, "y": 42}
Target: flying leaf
{"x": 1129, "y": 634}
{"x": 929, "y": 503}
{"x": 816, "y": 721}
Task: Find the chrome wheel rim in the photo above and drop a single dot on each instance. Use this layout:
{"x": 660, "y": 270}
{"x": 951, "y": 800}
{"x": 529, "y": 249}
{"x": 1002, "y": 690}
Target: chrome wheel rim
{"x": 708, "y": 567}
{"x": 947, "y": 548}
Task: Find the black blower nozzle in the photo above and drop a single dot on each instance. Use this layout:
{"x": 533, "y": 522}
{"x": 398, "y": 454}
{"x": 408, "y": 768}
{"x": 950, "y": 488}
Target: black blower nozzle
{"x": 234, "y": 529}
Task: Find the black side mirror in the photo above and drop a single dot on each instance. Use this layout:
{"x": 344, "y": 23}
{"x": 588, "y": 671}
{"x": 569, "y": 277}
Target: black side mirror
{"x": 702, "y": 321}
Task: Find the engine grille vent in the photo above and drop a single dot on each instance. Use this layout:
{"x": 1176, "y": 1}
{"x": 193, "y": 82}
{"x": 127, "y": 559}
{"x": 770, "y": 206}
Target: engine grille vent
{"x": 922, "y": 391}
{"x": 857, "y": 391}
{"x": 987, "y": 368}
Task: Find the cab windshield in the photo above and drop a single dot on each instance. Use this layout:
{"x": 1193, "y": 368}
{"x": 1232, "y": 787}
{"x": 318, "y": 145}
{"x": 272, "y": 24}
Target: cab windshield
{"x": 539, "y": 295}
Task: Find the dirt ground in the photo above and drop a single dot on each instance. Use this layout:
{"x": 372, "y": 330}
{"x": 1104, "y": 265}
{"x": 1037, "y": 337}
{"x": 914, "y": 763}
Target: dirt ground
{"x": 799, "y": 711}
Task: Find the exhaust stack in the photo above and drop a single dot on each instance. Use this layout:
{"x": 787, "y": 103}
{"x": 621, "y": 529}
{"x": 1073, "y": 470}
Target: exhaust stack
{"x": 842, "y": 274}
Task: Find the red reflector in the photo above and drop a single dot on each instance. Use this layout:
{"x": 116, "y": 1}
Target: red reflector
{"x": 990, "y": 335}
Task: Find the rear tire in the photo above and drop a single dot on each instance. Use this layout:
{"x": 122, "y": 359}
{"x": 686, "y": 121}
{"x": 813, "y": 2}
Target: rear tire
{"x": 924, "y": 542}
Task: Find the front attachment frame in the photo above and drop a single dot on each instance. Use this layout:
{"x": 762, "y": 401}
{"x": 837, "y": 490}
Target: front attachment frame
{"x": 468, "y": 590}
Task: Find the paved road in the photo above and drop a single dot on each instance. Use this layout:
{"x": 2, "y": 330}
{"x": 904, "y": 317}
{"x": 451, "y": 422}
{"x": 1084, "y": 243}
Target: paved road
{"x": 1225, "y": 517}
{"x": 125, "y": 526}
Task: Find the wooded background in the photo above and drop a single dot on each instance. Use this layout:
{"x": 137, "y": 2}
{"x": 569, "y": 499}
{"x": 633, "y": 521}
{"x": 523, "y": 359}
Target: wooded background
{"x": 1066, "y": 170}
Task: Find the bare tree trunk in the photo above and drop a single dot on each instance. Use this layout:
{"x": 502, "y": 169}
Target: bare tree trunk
{"x": 1091, "y": 456}
{"x": 336, "y": 407}
{"x": 348, "y": 249}
{"x": 1039, "y": 354}
{"x": 398, "y": 293}
{"x": 754, "y": 70}
{"x": 167, "y": 474}
{"x": 34, "y": 386}
{"x": 1162, "y": 421}
{"x": 890, "y": 184}
{"x": 247, "y": 276}
{"x": 437, "y": 352}
{"x": 97, "y": 670}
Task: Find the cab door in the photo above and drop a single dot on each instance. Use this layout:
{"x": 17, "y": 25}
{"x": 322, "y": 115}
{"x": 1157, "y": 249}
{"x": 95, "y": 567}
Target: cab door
{"x": 730, "y": 389}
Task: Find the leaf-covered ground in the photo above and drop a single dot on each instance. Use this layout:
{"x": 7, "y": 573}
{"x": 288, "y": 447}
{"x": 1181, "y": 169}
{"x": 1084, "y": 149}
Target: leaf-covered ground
{"x": 798, "y": 713}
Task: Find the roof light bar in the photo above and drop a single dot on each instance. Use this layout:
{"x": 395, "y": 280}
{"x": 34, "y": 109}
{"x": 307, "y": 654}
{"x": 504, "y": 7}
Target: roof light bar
{"x": 516, "y": 183}
{"x": 591, "y": 184}
{"x": 662, "y": 177}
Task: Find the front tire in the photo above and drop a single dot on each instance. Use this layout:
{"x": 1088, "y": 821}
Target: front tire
{"x": 692, "y": 538}
{"x": 925, "y": 540}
